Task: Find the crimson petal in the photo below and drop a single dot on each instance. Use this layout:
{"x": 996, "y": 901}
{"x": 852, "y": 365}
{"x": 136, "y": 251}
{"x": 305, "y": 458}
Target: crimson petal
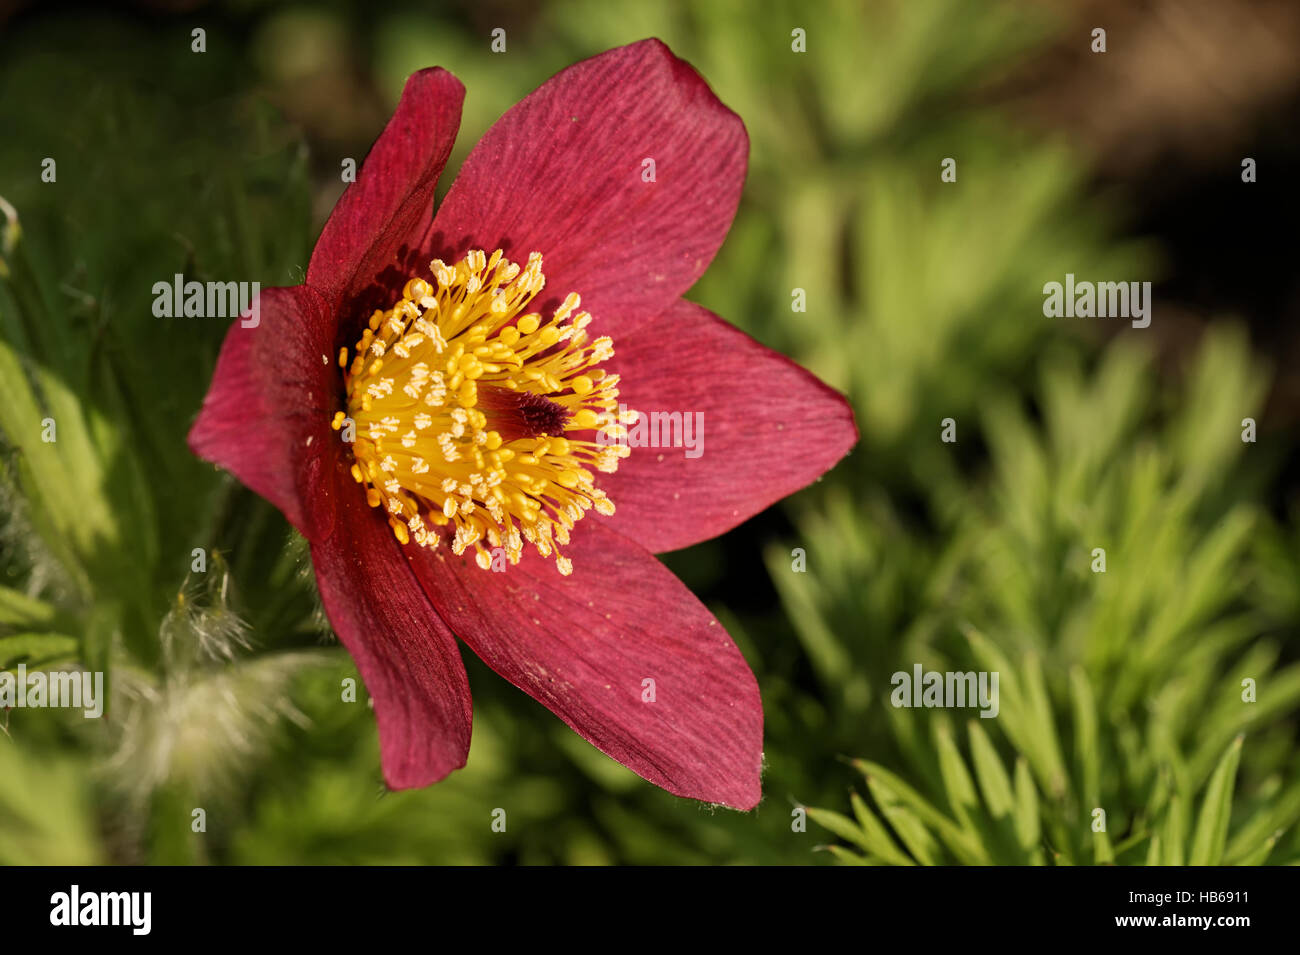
{"x": 561, "y": 174}
{"x": 769, "y": 428}
{"x": 266, "y": 416}
{"x": 386, "y": 211}
{"x": 407, "y": 656}
{"x": 584, "y": 645}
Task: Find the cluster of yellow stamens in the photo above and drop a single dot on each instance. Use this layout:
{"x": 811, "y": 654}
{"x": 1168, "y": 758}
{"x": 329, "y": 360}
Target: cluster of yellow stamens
{"x": 460, "y": 400}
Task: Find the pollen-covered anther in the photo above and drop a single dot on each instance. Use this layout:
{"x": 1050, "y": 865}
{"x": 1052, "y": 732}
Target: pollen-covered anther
{"x": 478, "y": 420}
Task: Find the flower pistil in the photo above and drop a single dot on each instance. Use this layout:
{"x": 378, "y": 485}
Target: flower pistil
{"x": 461, "y": 402}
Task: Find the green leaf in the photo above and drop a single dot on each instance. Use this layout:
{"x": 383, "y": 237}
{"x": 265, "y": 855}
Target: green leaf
{"x": 1260, "y": 855}
{"x": 1028, "y": 825}
{"x": 1084, "y": 707}
{"x": 1277, "y": 815}
{"x": 1103, "y": 852}
{"x": 1175, "y": 831}
{"x": 877, "y": 836}
{"x": 845, "y": 857}
{"x": 907, "y": 825}
{"x": 957, "y": 782}
{"x": 992, "y": 775}
{"x": 47, "y": 814}
{"x": 959, "y": 842}
{"x": 1153, "y": 850}
{"x": 1216, "y": 810}
{"x": 1043, "y": 727}
{"x": 19, "y": 610}
{"x": 36, "y": 650}
{"x": 842, "y": 826}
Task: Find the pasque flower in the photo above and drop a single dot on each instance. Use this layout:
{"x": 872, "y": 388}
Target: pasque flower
{"x": 437, "y": 410}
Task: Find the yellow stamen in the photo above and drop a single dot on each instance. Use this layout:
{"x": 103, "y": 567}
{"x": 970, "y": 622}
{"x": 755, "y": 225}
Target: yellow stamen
{"x": 459, "y": 401}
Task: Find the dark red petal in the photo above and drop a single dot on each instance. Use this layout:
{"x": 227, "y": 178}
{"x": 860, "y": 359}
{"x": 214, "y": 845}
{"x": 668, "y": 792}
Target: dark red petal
{"x": 769, "y": 428}
{"x": 375, "y": 227}
{"x": 406, "y": 655}
{"x": 266, "y": 417}
{"x": 583, "y": 645}
{"x": 561, "y": 174}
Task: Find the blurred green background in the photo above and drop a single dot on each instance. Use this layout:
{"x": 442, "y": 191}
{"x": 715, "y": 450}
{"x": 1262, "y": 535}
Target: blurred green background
{"x": 1120, "y": 691}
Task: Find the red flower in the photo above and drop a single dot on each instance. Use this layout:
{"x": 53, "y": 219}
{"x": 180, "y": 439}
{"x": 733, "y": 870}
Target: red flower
{"x": 484, "y": 428}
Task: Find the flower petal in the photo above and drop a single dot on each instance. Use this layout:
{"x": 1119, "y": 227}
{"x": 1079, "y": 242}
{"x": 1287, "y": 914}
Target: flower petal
{"x": 561, "y": 173}
{"x": 764, "y": 428}
{"x": 391, "y": 203}
{"x": 266, "y": 416}
{"x": 584, "y": 646}
{"x": 406, "y": 655}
